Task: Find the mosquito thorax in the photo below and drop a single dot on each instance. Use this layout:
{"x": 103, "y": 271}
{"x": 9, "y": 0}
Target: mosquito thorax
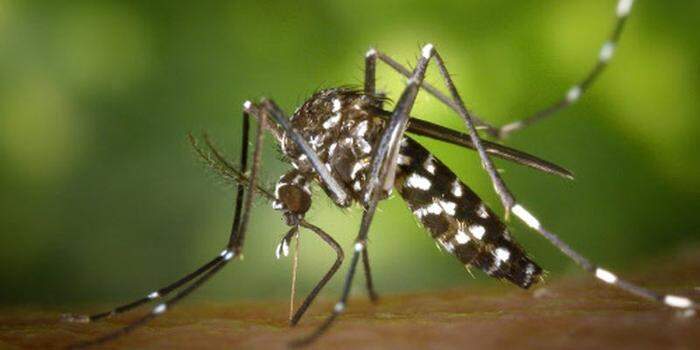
{"x": 342, "y": 128}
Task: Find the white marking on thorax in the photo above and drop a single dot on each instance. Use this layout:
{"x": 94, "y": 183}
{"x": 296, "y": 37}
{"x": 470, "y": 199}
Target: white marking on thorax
{"x": 359, "y": 165}
{"x": 332, "y": 121}
{"x": 336, "y": 105}
{"x": 481, "y": 211}
{"x": 456, "y": 188}
{"x": 357, "y": 186}
{"x": 429, "y": 165}
{"x": 365, "y": 147}
{"x": 361, "y": 129}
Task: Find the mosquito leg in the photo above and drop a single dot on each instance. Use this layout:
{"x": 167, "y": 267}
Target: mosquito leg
{"x": 399, "y": 68}
{"x": 370, "y": 71}
{"x": 370, "y": 89}
{"x": 382, "y": 172}
{"x": 502, "y": 190}
{"x": 373, "y": 296}
{"x": 233, "y": 249}
{"x": 604, "y": 275}
{"x": 220, "y": 164}
{"x": 164, "y": 291}
{"x": 322, "y": 283}
{"x": 575, "y": 92}
{"x": 295, "y": 269}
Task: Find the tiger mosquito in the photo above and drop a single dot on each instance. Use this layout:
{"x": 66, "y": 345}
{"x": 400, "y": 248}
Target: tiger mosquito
{"x": 357, "y": 152}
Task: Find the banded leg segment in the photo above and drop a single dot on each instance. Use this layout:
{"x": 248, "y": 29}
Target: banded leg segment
{"x": 606, "y": 53}
{"x": 604, "y": 275}
{"x": 382, "y": 171}
{"x": 457, "y": 103}
{"x": 164, "y": 291}
{"x": 233, "y": 248}
{"x": 575, "y": 92}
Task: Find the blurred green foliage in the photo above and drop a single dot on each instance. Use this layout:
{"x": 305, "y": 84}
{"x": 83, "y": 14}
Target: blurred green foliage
{"x": 102, "y": 200}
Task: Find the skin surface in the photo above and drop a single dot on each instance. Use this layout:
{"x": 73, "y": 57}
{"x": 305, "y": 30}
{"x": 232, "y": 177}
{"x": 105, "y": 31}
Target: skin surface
{"x": 572, "y": 313}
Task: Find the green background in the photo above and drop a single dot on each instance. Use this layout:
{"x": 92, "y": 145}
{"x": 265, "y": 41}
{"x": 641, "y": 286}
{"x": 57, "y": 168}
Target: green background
{"x": 101, "y": 199}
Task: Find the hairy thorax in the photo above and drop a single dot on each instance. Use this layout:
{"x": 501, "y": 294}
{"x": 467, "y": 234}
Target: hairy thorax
{"x": 341, "y": 128}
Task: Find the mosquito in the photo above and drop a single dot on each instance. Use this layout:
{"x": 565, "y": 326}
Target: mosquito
{"x": 358, "y": 152}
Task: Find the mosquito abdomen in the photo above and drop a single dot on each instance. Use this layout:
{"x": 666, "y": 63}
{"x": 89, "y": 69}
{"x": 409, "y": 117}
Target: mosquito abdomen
{"x": 458, "y": 219}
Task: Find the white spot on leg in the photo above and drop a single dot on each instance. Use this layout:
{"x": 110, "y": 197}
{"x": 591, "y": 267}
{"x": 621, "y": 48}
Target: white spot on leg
{"x": 339, "y": 307}
{"x": 247, "y": 105}
{"x": 223, "y": 253}
{"x": 159, "y": 309}
{"x": 228, "y": 256}
{"x": 677, "y": 301}
{"x": 624, "y": 7}
{"x": 573, "y": 94}
{"x": 456, "y": 188}
{"x": 371, "y": 52}
{"x": 419, "y": 182}
{"x": 525, "y": 215}
{"x": 427, "y": 51}
{"x": 605, "y": 276}
{"x": 154, "y": 295}
{"x": 359, "y": 246}
{"x": 606, "y": 52}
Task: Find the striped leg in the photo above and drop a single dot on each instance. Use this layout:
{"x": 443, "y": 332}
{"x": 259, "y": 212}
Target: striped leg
{"x": 575, "y": 92}
{"x": 622, "y": 11}
{"x": 233, "y": 248}
{"x": 220, "y": 165}
{"x": 604, "y": 275}
{"x": 164, "y": 291}
{"x": 381, "y": 180}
